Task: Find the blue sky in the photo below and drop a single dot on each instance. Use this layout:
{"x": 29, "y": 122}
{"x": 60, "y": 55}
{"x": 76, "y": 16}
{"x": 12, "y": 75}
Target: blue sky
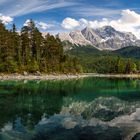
{"x": 65, "y": 15}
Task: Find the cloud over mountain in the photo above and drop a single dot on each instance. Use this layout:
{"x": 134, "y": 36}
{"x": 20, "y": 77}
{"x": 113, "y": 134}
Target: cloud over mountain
{"x": 129, "y": 21}
{"x": 70, "y": 23}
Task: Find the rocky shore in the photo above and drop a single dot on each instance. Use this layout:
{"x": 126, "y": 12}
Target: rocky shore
{"x": 38, "y": 76}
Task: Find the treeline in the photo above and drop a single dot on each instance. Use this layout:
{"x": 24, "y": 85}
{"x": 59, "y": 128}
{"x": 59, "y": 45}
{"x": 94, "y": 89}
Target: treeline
{"x": 93, "y": 60}
{"x": 31, "y": 52}
{"x": 112, "y": 64}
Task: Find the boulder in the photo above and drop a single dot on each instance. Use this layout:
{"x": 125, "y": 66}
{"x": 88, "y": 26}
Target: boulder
{"x": 25, "y": 73}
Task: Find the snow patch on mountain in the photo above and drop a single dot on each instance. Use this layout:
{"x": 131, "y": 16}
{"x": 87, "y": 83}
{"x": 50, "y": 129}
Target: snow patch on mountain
{"x": 105, "y": 38}
{"x": 75, "y": 37}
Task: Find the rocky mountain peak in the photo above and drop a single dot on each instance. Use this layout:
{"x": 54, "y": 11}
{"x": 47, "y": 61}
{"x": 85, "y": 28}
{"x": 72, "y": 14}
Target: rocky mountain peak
{"x": 105, "y": 38}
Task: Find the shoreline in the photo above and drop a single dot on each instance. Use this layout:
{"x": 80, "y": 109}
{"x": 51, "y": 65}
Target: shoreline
{"x": 64, "y": 76}
{"x": 115, "y": 75}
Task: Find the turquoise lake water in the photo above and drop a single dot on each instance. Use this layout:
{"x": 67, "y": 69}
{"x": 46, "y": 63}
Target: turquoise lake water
{"x": 78, "y": 109}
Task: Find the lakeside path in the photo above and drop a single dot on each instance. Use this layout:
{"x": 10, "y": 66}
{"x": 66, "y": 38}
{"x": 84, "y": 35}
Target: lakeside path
{"x": 64, "y": 76}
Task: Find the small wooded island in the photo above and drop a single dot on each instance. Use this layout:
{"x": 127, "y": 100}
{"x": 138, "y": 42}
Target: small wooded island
{"x": 31, "y": 52}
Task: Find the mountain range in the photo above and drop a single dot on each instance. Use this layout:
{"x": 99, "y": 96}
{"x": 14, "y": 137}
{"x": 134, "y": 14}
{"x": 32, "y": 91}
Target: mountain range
{"x": 104, "y": 38}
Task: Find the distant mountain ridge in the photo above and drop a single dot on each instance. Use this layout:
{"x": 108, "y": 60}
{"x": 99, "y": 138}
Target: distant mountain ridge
{"x": 75, "y": 37}
{"x": 104, "y": 38}
{"x": 89, "y": 51}
{"x": 129, "y": 52}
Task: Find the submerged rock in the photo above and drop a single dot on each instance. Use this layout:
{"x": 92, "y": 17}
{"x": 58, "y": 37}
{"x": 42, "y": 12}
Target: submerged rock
{"x": 106, "y": 115}
{"x": 68, "y": 127}
{"x": 80, "y": 133}
{"x": 136, "y": 137}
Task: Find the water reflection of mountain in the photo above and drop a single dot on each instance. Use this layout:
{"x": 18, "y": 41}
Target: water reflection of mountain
{"x": 67, "y": 126}
{"x": 103, "y": 108}
{"x": 97, "y": 101}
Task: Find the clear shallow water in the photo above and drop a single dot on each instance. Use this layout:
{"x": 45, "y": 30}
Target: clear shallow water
{"x": 85, "y": 109}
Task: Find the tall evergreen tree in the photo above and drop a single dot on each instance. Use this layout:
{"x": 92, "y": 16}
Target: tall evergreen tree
{"x": 25, "y": 50}
{"x": 16, "y": 44}
{"x": 30, "y": 51}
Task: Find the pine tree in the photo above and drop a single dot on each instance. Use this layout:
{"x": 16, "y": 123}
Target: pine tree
{"x": 130, "y": 66}
{"x": 7, "y": 50}
{"x": 16, "y": 44}
{"x": 32, "y": 52}
{"x": 25, "y": 50}
{"x": 120, "y": 66}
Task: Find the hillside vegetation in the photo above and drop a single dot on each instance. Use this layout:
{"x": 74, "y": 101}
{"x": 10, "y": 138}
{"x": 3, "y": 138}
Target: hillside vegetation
{"x": 131, "y": 51}
{"x": 126, "y": 60}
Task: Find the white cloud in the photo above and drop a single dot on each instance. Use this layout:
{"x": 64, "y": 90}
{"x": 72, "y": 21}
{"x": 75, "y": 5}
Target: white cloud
{"x": 129, "y": 21}
{"x": 130, "y": 17}
{"x": 70, "y": 23}
{"x": 26, "y": 22}
{"x": 5, "y": 19}
{"x": 44, "y": 26}
{"x": 22, "y": 7}
{"x": 92, "y": 11}
{"x": 41, "y": 25}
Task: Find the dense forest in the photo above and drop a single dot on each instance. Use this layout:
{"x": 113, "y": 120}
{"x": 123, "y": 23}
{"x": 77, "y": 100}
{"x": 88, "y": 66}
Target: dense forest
{"x": 29, "y": 51}
{"x": 126, "y": 60}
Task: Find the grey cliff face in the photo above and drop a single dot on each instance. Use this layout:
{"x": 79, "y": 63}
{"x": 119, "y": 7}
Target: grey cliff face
{"x": 105, "y": 38}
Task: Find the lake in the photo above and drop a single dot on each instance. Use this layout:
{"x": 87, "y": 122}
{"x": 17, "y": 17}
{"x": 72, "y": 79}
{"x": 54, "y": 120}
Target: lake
{"x": 76, "y": 109}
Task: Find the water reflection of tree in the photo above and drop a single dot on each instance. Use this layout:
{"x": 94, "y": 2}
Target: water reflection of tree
{"x": 30, "y": 99}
